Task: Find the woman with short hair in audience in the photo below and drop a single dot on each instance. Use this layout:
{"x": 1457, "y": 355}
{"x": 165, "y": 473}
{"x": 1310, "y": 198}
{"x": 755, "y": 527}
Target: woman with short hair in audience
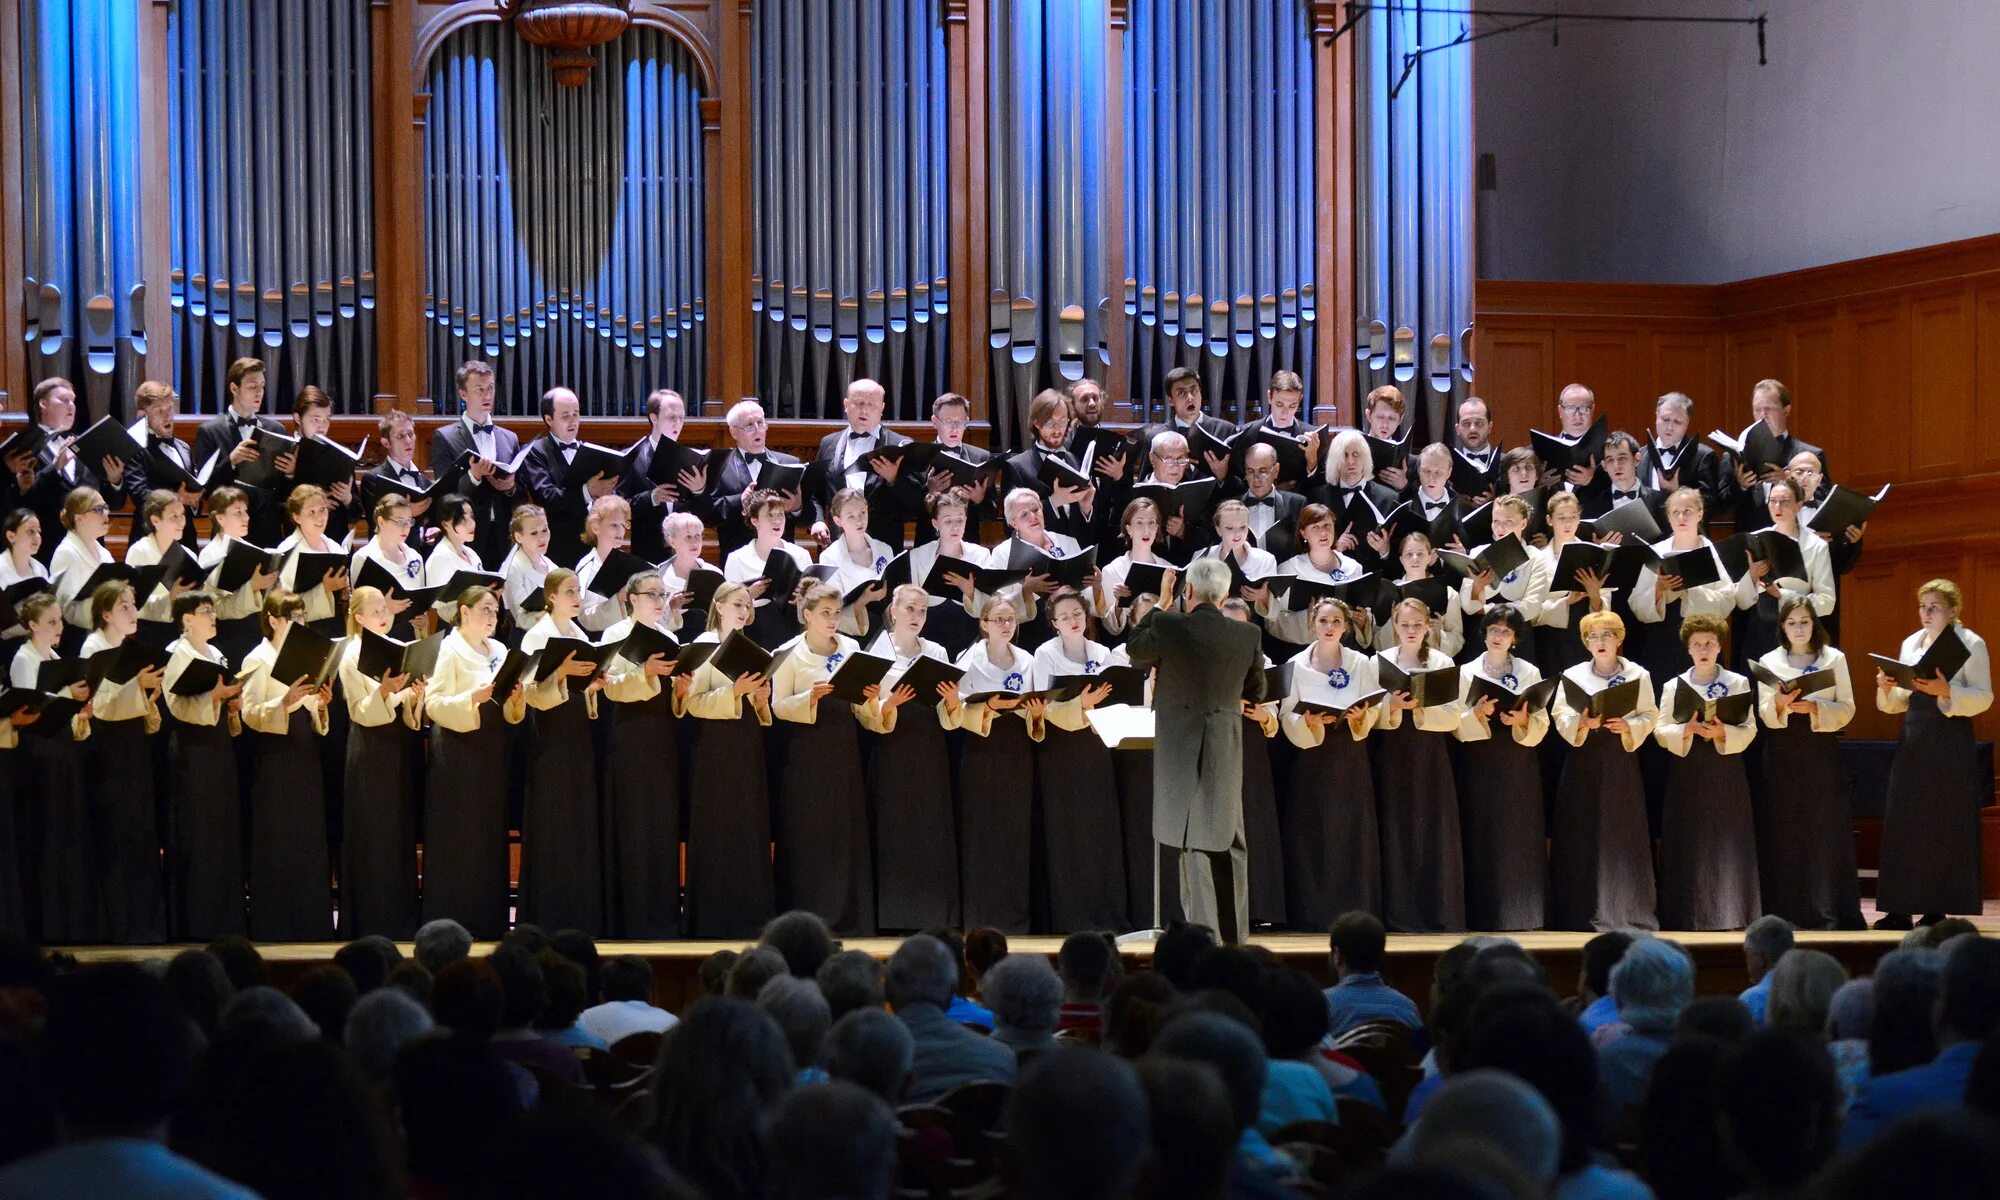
{"x": 953, "y": 622}
{"x": 776, "y": 621}
{"x": 289, "y": 871}
{"x": 457, "y": 526}
{"x": 1556, "y": 646}
{"x": 161, "y": 522}
{"x": 239, "y": 613}
{"x": 1601, "y": 848}
{"x": 378, "y": 844}
{"x": 1805, "y": 821}
{"x": 86, "y": 518}
{"x": 48, "y": 774}
{"x": 527, "y": 567}
{"x": 1930, "y": 830}
{"x": 909, "y": 777}
{"x": 1507, "y": 870}
{"x": 1759, "y": 593}
{"x": 607, "y": 529}
{"x": 730, "y": 889}
{"x": 561, "y": 844}
{"x": 642, "y": 773}
{"x": 205, "y": 871}
{"x": 1322, "y": 562}
{"x": 118, "y": 776}
{"x": 1141, "y": 524}
{"x": 1423, "y": 869}
{"x": 465, "y": 807}
{"x": 1708, "y": 841}
{"x": 825, "y": 861}
{"x": 1082, "y": 839}
{"x": 310, "y": 509}
{"x": 996, "y": 776}
{"x": 1333, "y": 846}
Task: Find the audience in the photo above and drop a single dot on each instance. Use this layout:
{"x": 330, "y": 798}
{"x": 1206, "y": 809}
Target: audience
{"x": 568, "y": 989}
{"x": 829, "y": 1141}
{"x": 1138, "y": 1006}
{"x": 1297, "y": 1087}
{"x": 801, "y": 939}
{"x": 1227, "y": 1045}
{"x": 626, "y": 985}
{"x": 327, "y": 994}
{"x": 753, "y": 969}
{"x": 922, "y": 982}
{"x": 1077, "y": 1126}
{"x": 379, "y": 1026}
{"x": 454, "y": 1097}
{"x": 870, "y": 1048}
{"x": 1193, "y": 1128}
{"x": 524, "y": 994}
{"x": 1968, "y": 1011}
{"x": 201, "y": 987}
{"x": 1026, "y": 997}
{"x": 714, "y": 972}
{"x": 368, "y": 961}
{"x": 722, "y": 1068}
{"x": 239, "y": 957}
{"x": 1600, "y": 954}
{"x": 993, "y": 948}
{"x": 265, "y": 1007}
{"x": 1359, "y": 995}
{"x": 1901, "y": 1034}
{"x": 1494, "y": 1108}
{"x": 850, "y": 980}
{"x": 1803, "y": 985}
{"x": 1175, "y": 954}
{"x": 441, "y": 943}
{"x": 1651, "y": 984}
{"x": 1848, "y": 1021}
{"x": 1088, "y": 964}
{"x": 1768, "y": 940}
{"x": 1780, "y": 1105}
{"x": 1718, "y": 1018}
{"x": 802, "y": 1015}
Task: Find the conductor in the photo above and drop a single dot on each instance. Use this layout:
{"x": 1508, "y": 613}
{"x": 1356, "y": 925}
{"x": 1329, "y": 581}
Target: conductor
{"x": 1208, "y": 665}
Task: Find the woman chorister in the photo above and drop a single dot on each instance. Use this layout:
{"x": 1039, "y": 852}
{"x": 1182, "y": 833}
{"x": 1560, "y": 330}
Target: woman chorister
{"x": 606, "y": 529}
{"x": 561, "y": 842}
{"x": 825, "y": 859}
{"x": 1660, "y": 600}
{"x": 86, "y": 518}
{"x": 857, "y": 559}
{"x": 1418, "y": 560}
{"x": 118, "y": 777}
{"x": 205, "y": 865}
{"x": 390, "y": 549}
{"x": 378, "y": 844}
{"x": 1557, "y": 647}
{"x": 238, "y": 612}
{"x": 1708, "y": 839}
{"x": 909, "y": 777}
{"x": 997, "y": 772}
{"x": 1500, "y": 782}
{"x": 50, "y": 791}
{"x": 1600, "y": 850}
{"x": 289, "y": 868}
{"x": 162, "y": 521}
{"x": 1525, "y": 587}
{"x": 730, "y": 890}
{"x": 527, "y": 567}
{"x": 465, "y": 806}
{"x": 953, "y": 621}
{"x": 1805, "y": 821}
{"x": 1760, "y": 592}
{"x": 457, "y": 527}
{"x": 1321, "y": 562}
{"x": 642, "y": 772}
{"x": 1140, "y": 524}
{"x": 1082, "y": 837}
{"x": 1930, "y": 829}
{"x": 1423, "y": 869}
{"x": 310, "y": 508}
{"x": 684, "y": 534}
{"x": 776, "y": 619}
{"x": 18, "y": 565}
{"x": 1333, "y": 849}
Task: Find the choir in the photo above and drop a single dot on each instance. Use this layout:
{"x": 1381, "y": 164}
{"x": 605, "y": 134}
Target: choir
{"x": 294, "y": 730}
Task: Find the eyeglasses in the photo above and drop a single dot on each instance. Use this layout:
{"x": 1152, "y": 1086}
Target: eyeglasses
{"x": 999, "y": 620}
{"x": 1180, "y": 460}
{"x": 652, "y": 595}
{"x": 99, "y": 510}
{"x": 1576, "y": 408}
{"x": 400, "y": 522}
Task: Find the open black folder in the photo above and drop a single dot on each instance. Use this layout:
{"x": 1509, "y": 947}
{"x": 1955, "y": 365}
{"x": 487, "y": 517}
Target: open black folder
{"x": 1618, "y": 700}
{"x": 1535, "y": 696}
{"x": 1946, "y": 655}
{"x": 1689, "y": 705}
{"x": 1427, "y": 688}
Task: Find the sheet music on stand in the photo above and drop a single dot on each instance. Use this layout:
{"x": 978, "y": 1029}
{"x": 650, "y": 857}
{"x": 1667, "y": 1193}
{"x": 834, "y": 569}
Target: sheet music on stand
{"x": 1129, "y": 727}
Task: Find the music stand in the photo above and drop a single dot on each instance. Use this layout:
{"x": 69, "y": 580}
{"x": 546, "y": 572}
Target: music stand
{"x": 1125, "y": 727}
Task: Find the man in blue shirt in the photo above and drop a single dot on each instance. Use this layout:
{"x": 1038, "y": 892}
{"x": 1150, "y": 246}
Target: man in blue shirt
{"x": 1764, "y": 943}
{"x": 1968, "y": 1013}
{"x": 1600, "y": 954}
{"x": 1355, "y": 944}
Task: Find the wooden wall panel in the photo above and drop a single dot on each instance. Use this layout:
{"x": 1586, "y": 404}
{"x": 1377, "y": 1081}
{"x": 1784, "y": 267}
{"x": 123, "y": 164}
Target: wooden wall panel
{"x": 1516, "y": 378}
{"x": 1813, "y": 368}
{"x": 1686, "y": 362}
{"x": 1941, "y": 347}
{"x": 1986, "y": 376}
{"x": 1754, "y": 353}
{"x": 1617, "y": 364}
{"x": 1878, "y": 366}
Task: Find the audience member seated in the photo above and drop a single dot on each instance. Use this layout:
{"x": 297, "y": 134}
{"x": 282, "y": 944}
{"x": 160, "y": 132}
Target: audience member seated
{"x": 265, "y": 1007}
{"x": 1679, "y": 1138}
{"x": 1025, "y": 995}
{"x": 714, "y": 972}
{"x": 1718, "y": 1018}
{"x": 753, "y": 969}
{"x": 982, "y": 947}
{"x": 327, "y": 994}
{"x": 1968, "y": 1011}
{"x": 1936, "y": 1154}
{"x": 830, "y": 1141}
{"x": 870, "y": 1048}
{"x": 467, "y": 998}
{"x": 1293, "y": 1019}
{"x": 801, "y": 939}
{"x": 573, "y": 1150}
{"x": 1180, "y": 946}
{"x": 1359, "y": 995}
{"x": 201, "y": 987}
{"x": 720, "y": 1071}
{"x": 1077, "y": 1126}
{"x": 441, "y": 943}
{"x": 1600, "y": 954}
{"x": 801, "y": 1013}
{"x": 300, "y": 1120}
{"x": 1765, "y": 942}
{"x": 963, "y": 1008}
{"x": 922, "y": 981}
{"x": 850, "y": 980}
{"x": 626, "y": 983}
{"x": 1902, "y": 1033}
{"x": 1490, "y": 1107}
{"x": 118, "y": 1052}
{"x": 1802, "y": 990}
{"x": 454, "y": 1097}
{"x": 1088, "y": 964}
{"x": 525, "y": 993}
{"x": 1651, "y": 984}
{"x": 1138, "y": 1007}
{"x": 1228, "y": 1046}
{"x": 379, "y": 1026}
{"x": 568, "y": 993}
{"x": 1848, "y": 1019}
{"x": 1194, "y": 1135}
{"x": 1780, "y": 1104}
{"x": 368, "y": 961}
{"x": 240, "y": 958}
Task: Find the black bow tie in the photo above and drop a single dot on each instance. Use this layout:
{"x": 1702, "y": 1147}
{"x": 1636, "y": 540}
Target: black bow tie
{"x": 758, "y": 457}
{"x": 860, "y": 437}
{"x": 487, "y": 428}
{"x": 1261, "y": 501}
{"x": 1618, "y": 495}
{"x": 567, "y": 446}
{"x": 246, "y": 422}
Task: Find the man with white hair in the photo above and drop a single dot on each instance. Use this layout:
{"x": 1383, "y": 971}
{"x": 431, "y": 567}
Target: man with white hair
{"x": 1651, "y": 984}
{"x": 1208, "y": 665}
{"x": 922, "y": 978}
{"x": 847, "y": 459}
{"x": 1025, "y": 994}
{"x": 1764, "y": 943}
{"x": 742, "y": 470}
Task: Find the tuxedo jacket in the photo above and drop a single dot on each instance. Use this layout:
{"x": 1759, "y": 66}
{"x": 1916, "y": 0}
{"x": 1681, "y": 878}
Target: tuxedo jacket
{"x": 1197, "y": 465}
{"x": 1701, "y": 467}
{"x": 722, "y": 508}
{"x": 542, "y": 478}
{"x": 1597, "y": 504}
{"x": 492, "y": 508}
{"x": 976, "y": 515}
{"x": 387, "y": 470}
{"x": 1282, "y": 538}
{"x": 1023, "y": 470}
{"x": 52, "y": 487}
{"x": 1749, "y": 503}
{"x": 1491, "y": 473}
{"x": 637, "y": 488}
{"x": 141, "y": 476}
{"x": 889, "y": 504}
{"x": 219, "y": 435}
{"x": 1345, "y": 506}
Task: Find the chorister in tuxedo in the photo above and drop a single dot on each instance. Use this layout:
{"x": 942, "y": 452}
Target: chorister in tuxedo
{"x": 951, "y": 413}
{"x": 1184, "y": 400}
{"x": 1350, "y": 491}
{"x": 652, "y": 503}
{"x": 398, "y": 472}
{"x": 228, "y": 436}
{"x": 1625, "y": 482}
{"x": 1672, "y": 458}
{"x": 482, "y": 477}
{"x": 1472, "y": 442}
{"x": 58, "y": 469}
{"x": 1273, "y": 514}
{"x": 844, "y": 461}
{"x": 1771, "y": 403}
{"x": 1068, "y": 508}
{"x": 545, "y": 470}
{"x": 164, "y": 457}
{"x": 737, "y": 474}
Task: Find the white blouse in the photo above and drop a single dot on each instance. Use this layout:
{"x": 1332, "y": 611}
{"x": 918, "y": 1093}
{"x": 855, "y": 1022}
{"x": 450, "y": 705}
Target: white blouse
{"x": 229, "y": 606}
{"x": 1735, "y": 738}
{"x": 1971, "y": 688}
{"x": 1295, "y": 625}
{"x": 463, "y": 669}
{"x": 521, "y": 577}
{"x": 1650, "y": 605}
{"x": 1051, "y": 663}
{"x": 1431, "y": 718}
{"x": 191, "y": 710}
{"x": 1816, "y": 587}
{"x": 321, "y": 605}
{"x": 712, "y": 696}
{"x": 264, "y": 708}
{"x": 744, "y": 565}
{"x": 982, "y": 674}
{"x": 1832, "y": 708}
{"x": 885, "y": 646}
{"x": 549, "y": 692}
{"x": 443, "y": 564}
{"x": 1526, "y": 587}
{"x": 1334, "y": 687}
{"x": 1516, "y": 676}
{"x": 9, "y": 577}
{"x": 74, "y": 563}
{"x": 798, "y": 667}
{"x": 365, "y": 705}
{"x": 625, "y": 681}
{"x": 1638, "y": 724}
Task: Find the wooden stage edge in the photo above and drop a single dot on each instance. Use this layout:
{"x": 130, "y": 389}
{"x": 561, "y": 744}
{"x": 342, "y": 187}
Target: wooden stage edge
{"x": 1407, "y": 965}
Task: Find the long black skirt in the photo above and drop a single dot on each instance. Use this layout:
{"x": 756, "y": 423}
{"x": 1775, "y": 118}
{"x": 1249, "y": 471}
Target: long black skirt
{"x": 562, "y": 847}
{"x": 1930, "y": 829}
{"x": 1261, "y": 836}
{"x": 1805, "y": 829}
{"x": 465, "y": 826}
{"x": 1083, "y": 839}
{"x": 1506, "y": 835}
{"x": 1333, "y": 843}
{"x": 206, "y": 864}
{"x": 1708, "y": 843}
{"x": 916, "y": 832}
{"x": 291, "y": 877}
{"x": 996, "y": 798}
{"x": 642, "y": 819}
{"x": 1423, "y": 858}
{"x": 825, "y": 857}
{"x": 71, "y": 909}
{"x": 118, "y": 767}
{"x": 378, "y": 842}
{"x": 1601, "y": 854}
{"x": 730, "y": 893}
{"x": 1151, "y": 870}
{"x": 17, "y": 830}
